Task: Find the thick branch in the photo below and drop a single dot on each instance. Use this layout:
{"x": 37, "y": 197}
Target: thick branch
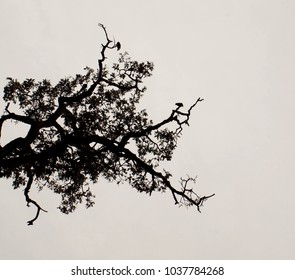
{"x": 15, "y": 117}
{"x": 21, "y": 144}
{"x": 32, "y": 157}
{"x": 63, "y": 102}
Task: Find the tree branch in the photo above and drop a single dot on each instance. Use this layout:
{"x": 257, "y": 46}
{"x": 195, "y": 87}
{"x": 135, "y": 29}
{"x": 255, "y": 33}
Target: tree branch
{"x": 104, "y": 47}
{"x": 173, "y": 117}
{"x": 29, "y": 200}
{"x": 15, "y": 117}
{"x": 121, "y": 87}
{"x": 187, "y": 115}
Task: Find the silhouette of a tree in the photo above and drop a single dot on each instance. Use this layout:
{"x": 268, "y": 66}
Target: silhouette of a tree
{"x": 88, "y": 126}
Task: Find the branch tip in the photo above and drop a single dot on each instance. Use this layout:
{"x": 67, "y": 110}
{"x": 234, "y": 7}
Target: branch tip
{"x": 29, "y": 200}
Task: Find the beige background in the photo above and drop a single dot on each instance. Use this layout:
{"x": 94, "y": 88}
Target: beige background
{"x": 237, "y": 55}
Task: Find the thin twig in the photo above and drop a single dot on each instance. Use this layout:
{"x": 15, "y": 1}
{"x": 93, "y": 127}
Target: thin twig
{"x": 29, "y": 200}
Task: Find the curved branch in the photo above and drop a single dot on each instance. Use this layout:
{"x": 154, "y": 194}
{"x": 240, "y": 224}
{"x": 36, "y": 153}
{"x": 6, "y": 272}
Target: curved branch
{"x": 104, "y": 47}
{"x": 29, "y": 200}
{"x": 173, "y": 117}
{"x": 15, "y": 117}
{"x": 197, "y": 202}
{"x": 187, "y": 115}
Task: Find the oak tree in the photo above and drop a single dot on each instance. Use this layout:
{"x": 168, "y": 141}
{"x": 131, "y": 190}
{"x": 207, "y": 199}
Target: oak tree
{"x": 88, "y": 126}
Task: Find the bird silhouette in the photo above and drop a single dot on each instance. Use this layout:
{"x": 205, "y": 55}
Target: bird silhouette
{"x": 118, "y": 45}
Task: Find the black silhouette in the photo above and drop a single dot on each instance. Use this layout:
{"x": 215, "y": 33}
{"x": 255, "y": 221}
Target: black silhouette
{"x": 84, "y": 87}
{"x": 80, "y": 129}
{"x": 118, "y": 45}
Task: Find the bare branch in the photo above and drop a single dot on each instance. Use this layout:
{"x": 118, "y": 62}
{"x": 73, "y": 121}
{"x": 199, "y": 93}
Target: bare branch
{"x": 29, "y": 200}
{"x": 6, "y": 108}
{"x": 104, "y": 47}
{"x": 188, "y": 196}
{"x": 187, "y": 116}
{"x": 173, "y": 117}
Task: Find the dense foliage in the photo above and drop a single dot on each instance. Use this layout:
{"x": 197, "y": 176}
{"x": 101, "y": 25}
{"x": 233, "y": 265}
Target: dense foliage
{"x": 86, "y": 127}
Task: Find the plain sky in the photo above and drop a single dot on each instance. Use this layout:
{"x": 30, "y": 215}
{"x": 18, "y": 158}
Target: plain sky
{"x": 237, "y": 55}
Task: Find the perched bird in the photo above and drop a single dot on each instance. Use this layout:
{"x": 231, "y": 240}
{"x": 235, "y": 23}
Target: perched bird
{"x": 179, "y": 104}
{"x": 118, "y": 45}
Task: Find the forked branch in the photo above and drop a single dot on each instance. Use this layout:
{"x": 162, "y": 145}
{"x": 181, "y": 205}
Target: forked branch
{"x": 29, "y": 200}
